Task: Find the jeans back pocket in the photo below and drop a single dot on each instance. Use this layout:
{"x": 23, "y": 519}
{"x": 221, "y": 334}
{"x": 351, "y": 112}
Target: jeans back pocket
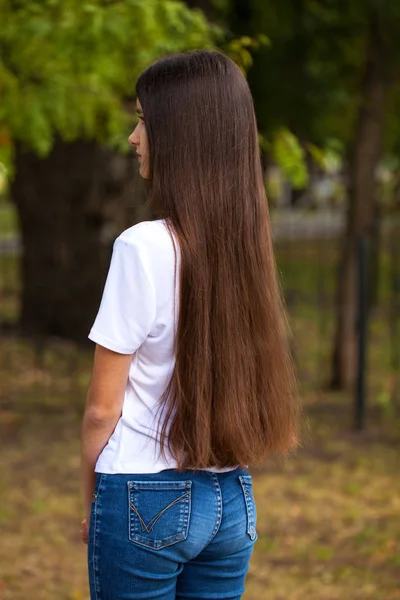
{"x": 246, "y": 483}
{"x": 159, "y": 512}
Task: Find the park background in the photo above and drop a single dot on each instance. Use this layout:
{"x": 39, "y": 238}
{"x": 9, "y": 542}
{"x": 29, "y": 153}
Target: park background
{"x": 325, "y": 76}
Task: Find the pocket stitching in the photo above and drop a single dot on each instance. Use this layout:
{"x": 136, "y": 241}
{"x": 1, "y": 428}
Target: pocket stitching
{"x": 154, "y": 520}
{"x": 184, "y": 518}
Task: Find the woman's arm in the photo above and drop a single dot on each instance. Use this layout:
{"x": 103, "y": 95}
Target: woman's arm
{"x": 103, "y": 409}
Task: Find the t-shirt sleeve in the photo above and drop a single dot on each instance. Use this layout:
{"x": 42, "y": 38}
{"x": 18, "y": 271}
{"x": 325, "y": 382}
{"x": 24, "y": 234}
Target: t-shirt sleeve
{"x": 128, "y": 305}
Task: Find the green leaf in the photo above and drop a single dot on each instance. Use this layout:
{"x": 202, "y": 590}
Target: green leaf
{"x": 290, "y": 156}
{"x": 66, "y": 66}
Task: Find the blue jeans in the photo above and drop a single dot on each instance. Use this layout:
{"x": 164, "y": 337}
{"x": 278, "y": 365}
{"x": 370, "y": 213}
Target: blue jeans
{"x": 171, "y": 535}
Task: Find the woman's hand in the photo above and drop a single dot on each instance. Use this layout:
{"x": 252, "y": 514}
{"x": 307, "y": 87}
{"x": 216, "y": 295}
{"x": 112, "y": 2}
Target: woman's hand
{"x": 84, "y": 531}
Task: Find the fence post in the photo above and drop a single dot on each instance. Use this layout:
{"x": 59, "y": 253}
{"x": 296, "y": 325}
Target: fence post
{"x": 362, "y": 326}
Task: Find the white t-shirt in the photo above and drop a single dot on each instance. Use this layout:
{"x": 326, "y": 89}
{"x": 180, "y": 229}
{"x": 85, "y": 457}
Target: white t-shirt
{"x": 137, "y": 316}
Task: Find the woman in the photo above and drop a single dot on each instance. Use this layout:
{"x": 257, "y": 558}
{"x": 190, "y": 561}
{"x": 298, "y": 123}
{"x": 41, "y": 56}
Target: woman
{"x": 192, "y": 378}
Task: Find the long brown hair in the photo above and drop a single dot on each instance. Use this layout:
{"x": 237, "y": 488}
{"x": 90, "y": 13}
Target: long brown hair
{"x": 232, "y": 398}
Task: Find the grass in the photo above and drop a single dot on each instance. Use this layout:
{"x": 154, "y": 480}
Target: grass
{"x": 327, "y": 522}
{"x": 327, "y": 518}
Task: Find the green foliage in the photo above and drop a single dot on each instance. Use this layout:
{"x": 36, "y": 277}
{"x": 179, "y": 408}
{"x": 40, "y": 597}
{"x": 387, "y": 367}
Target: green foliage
{"x": 240, "y": 49}
{"x": 4, "y": 173}
{"x": 309, "y": 78}
{"x": 328, "y": 158}
{"x": 288, "y": 153}
{"x": 67, "y": 65}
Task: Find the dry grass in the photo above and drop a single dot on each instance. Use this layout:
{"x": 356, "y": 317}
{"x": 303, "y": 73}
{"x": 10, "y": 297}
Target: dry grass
{"x": 328, "y": 519}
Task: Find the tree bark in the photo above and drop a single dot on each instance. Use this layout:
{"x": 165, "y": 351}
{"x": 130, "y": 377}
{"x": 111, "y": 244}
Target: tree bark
{"x": 374, "y": 271}
{"x": 71, "y": 204}
{"x": 367, "y": 151}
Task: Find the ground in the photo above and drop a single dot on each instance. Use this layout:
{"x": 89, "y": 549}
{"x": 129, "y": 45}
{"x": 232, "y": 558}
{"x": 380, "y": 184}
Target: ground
{"x": 328, "y": 517}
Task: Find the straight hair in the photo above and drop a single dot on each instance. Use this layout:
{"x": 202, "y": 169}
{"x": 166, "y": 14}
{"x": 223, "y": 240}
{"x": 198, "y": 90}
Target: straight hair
{"x": 232, "y": 398}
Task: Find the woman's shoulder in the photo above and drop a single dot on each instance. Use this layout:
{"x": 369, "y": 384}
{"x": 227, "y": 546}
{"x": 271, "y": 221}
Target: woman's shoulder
{"x": 150, "y": 240}
{"x": 145, "y": 232}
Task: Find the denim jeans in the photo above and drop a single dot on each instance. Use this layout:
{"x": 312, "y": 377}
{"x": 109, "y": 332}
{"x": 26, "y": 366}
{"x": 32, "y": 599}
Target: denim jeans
{"x": 171, "y": 535}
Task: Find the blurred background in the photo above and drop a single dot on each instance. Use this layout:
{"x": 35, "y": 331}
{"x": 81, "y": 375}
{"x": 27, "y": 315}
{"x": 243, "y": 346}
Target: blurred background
{"x": 325, "y": 76}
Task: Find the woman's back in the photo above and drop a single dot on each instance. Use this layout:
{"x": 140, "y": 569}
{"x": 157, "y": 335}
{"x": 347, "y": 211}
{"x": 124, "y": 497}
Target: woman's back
{"x": 198, "y": 145}
{"x": 138, "y": 315}
{"x": 193, "y": 379}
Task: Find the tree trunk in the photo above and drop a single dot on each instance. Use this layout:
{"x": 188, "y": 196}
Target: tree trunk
{"x": 374, "y": 271}
{"x": 71, "y": 204}
{"x": 396, "y": 192}
{"x": 366, "y": 154}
